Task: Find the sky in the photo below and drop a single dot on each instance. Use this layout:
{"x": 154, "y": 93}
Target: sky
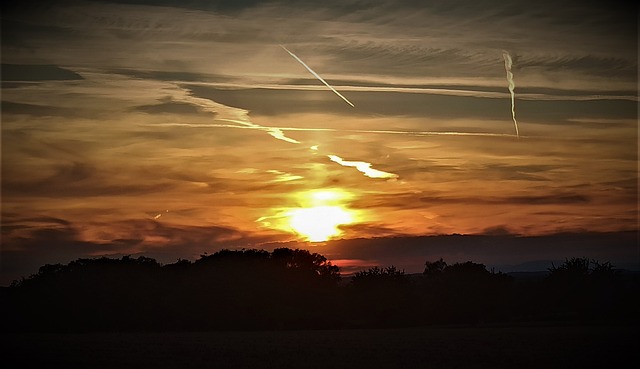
{"x": 176, "y": 128}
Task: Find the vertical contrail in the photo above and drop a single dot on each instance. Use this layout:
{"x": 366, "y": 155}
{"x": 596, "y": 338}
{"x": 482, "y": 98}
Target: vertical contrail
{"x": 317, "y": 76}
{"x": 507, "y": 66}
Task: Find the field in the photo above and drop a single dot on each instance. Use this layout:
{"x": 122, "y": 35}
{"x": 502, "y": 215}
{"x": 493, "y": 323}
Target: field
{"x": 442, "y": 347}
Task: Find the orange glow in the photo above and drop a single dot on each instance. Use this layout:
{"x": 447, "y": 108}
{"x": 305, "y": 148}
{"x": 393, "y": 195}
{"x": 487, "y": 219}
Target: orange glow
{"x": 317, "y": 216}
{"x": 319, "y": 223}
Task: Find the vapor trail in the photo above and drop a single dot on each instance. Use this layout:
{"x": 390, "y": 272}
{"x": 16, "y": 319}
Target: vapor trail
{"x": 507, "y": 66}
{"x": 317, "y": 76}
{"x": 313, "y": 129}
{"x": 363, "y": 167}
{"x": 273, "y": 131}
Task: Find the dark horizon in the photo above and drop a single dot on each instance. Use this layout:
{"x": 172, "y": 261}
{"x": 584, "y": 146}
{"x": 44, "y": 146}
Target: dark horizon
{"x": 501, "y": 252}
{"x": 297, "y": 289}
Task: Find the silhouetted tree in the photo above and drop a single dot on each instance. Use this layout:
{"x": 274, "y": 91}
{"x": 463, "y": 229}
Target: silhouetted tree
{"x": 584, "y": 288}
{"x": 90, "y": 294}
{"x": 575, "y": 269}
{"x": 463, "y": 292}
{"x": 258, "y": 289}
{"x": 376, "y": 276}
{"x": 285, "y": 288}
{"x": 434, "y": 268}
{"x": 382, "y": 297}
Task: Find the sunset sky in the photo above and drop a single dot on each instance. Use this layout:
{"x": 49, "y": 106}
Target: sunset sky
{"x": 173, "y": 128}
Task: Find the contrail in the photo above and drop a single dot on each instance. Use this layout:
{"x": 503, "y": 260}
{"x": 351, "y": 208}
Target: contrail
{"x": 317, "y": 76}
{"x": 507, "y": 66}
{"x": 312, "y": 129}
{"x": 363, "y": 167}
{"x": 274, "y": 132}
{"x": 558, "y": 96}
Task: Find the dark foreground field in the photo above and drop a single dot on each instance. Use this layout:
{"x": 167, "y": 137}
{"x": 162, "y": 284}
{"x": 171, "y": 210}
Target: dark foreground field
{"x": 450, "y": 347}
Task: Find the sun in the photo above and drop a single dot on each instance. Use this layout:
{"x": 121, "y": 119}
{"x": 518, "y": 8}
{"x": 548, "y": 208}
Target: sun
{"x": 319, "y": 223}
{"x": 316, "y": 216}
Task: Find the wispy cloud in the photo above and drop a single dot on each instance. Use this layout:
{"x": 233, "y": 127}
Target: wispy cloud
{"x": 227, "y": 113}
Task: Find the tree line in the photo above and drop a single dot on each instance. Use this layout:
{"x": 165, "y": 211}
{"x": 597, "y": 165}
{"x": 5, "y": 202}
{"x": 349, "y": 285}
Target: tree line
{"x": 297, "y": 289}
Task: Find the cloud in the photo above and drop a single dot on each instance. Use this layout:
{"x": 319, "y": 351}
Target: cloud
{"x": 75, "y": 180}
{"x": 10, "y": 223}
{"x": 224, "y": 6}
{"x": 376, "y": 102}
{"x": 9, "y": 107}
{"x": 370, "y": 228}
{"x": 421, "y": 200}
{"x": 549, "y": 199}
{"x": 168, "y": 243}
{"x": 171, "y": 75}
{"x": 179, "y": 108}
{"x": 592, "y": 64}
{"x": 370, "y": 39}
{"x": 32, "y": 247}
{"x": 31, "y": 243}
{"x": 279, "y": 102}
{"x": 22, "y": 72}
{"x": 555, "y": 199}
{"x": 410, "y": 253}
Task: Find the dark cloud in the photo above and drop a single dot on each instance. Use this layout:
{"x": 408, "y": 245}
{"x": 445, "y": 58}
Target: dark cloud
{"x": 20, "y": 30}
{"x": 202, "y": 236}
{"x": 230, "y": 6}
{"x": 630, "y": 184}
{"x": 23, "y": 255}
{"x": 42, "y": 219}
{"x": 420, "y": 200}
{"x": 532, "y": 172}
{"x": 170, "y": 108}
{"x": 580, "y": 124}
{"x": 412, "y": 60}
{"x": 550, "y": 112}
{"x": 371, "y": 228}
{"x": 271, "y": 102}
{"x": 591, "y": 64}
{"x": 22, "y": 72}
{"x": 9, "y": 85}
{"x": 274, "y": 102}
{"x": 410, "y": 253}
{"x": 60, "y": 242}
{"x": 9, "y": 107}
{"x": 170, "y": 75}
{"x": 77, "y": 180}
{"x": 557, "y": 199}
{"x": 12, "y": 223}
{"x": 500, "y": 230}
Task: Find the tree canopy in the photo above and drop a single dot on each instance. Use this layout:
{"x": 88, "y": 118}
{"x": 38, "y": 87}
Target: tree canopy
{"x": 295, "y": 289}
